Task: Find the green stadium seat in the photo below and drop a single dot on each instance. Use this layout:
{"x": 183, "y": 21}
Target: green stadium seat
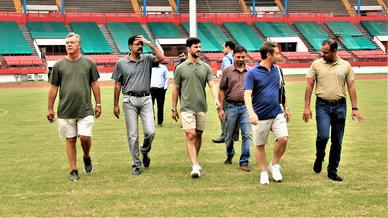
{"x": 275, "y": 29}
{"x": 358, "y": 43}
{"x": 212, "y": 38}
{"x": 13, "y": 42}
{"x": 121, "y": 31}
{"x": 92, "y": 39}
{"x": 376, "y": 27}
{"x": 343, "y": 28}
{"x": 164, "y": 30}
{"x": 313, "y": 33}
{"x": 47, "y": 30}
{"x": 244, "y": 35}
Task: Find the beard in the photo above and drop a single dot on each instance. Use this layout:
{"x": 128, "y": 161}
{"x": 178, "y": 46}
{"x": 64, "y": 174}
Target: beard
{"x": 195, "y": 54}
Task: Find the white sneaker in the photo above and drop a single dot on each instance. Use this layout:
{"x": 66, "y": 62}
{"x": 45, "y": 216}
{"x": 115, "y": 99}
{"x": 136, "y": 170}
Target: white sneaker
{"x": 199, "y": 167}
{"x": 264, "y": 178}
{"x": 275, "y": 170}
{"x": 195, "y": 173}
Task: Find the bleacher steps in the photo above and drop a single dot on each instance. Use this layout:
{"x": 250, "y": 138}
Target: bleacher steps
{"x": 182, "y": 31}
{"x": 226, "y": 32}
{"x": 332, "y": 36}
{"x": 109, "y": 38}
{"x": 27, "y": 36}
{"x": 258, "y": 33}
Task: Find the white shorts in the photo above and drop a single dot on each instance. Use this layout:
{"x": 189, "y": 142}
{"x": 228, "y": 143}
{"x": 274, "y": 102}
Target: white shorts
{"x": 70, "y": 128}
{"x": 278, "y": 126}
{"x": 191, "y": 120}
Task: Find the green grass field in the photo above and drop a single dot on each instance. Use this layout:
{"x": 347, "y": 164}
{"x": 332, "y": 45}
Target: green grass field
{"x": 34, "y": 169}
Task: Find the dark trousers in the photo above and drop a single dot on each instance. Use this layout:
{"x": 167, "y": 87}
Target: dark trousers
{"x": 330, "y": 114}
{"x": 159, "y": 94}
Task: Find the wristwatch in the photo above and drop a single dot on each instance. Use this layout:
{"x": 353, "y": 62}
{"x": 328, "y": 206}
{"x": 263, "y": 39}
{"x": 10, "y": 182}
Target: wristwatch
{"x": 354, "y": 108}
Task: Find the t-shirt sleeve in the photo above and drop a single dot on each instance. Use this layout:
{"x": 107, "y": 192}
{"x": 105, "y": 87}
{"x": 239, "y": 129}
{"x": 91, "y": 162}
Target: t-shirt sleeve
{"x": 209, "y": 73}
{"x": 349, "y": 74}
{"x": 151, "y": 58}
{"x": 55, "y": 77}
{"x": 312, "y": 74}
{"x": 249, "y": 81}
{"x": 178, "y": 76}
{"x": 94, "y": 75}
{"x": 117, "y": 74}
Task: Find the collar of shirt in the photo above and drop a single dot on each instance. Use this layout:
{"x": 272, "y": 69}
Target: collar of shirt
{"x": 262, "y": 69}
{"x": 232, "y": 68}
{"x": 338, "y": 61}
{"x": 188, "y": 62}
{"x": 128, "y": 58}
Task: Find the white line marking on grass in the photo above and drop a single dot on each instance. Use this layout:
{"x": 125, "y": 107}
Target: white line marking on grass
{"x": 3, "y": 112}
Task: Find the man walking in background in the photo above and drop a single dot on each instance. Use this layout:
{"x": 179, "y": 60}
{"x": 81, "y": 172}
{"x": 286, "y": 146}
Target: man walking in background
{"x": 74, "y": 76}
{"x": 227, "y": 49}
{"x": 189, "y": 84}
{"x": 262, "y": 90}
{"x": 132, "y": 75}
{"x": 330, "y": 74}
{"x": 159, "y": 85}
{"x": 235, "y": 116}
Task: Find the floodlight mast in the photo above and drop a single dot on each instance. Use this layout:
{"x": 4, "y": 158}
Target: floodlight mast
{"x": 193, "y": 18}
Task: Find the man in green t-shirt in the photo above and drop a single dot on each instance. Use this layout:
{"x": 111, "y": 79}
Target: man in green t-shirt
{"x": 190, "y": 81}
{"x": 75, "y": 76}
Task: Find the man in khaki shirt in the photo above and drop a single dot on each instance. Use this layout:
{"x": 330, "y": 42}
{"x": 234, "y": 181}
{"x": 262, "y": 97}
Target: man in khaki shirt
{"x": 330, "y": 74}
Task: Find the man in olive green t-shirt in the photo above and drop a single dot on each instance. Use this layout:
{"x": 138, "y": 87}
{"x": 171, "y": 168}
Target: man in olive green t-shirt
{"x": 331, "y": 75}
{"x": 190, "y": 81}
{"x": 75, "y": 76}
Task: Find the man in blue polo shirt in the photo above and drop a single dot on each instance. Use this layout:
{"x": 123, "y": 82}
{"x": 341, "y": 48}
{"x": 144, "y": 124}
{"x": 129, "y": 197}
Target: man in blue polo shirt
{"x": 261, "y": 97}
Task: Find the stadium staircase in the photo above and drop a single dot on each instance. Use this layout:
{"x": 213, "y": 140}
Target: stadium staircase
{"x": 365, "y": 33}
{"x": 182, "y": 31}
{"x": 7, "y": 5}
{"x": 226, "y": 33}
{"x": 28, "y": 37}
{"x": 109, "y": 38}
{"x": 18, "y": 6}
{"x": 382, "y": 4}
{"x": 349, "y": 7}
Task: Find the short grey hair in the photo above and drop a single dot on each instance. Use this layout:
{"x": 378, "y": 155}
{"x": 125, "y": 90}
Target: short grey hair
{"x": 71, "y": 34}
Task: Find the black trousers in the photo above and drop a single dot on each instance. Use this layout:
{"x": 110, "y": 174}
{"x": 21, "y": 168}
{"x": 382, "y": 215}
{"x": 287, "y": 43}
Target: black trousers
{"x": 159, "y": 94}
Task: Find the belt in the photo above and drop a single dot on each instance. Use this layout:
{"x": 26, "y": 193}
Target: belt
{"x": 341, "y": 100}
{"x": 138, "y": 94}
{"x": 236, "y": 103}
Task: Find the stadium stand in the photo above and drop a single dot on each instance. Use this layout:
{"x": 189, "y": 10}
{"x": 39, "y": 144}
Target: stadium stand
{"x": 47, "y": 30}
{"x": 7, "y": 5}
{"x": 116, "y": 6}
{"x": 22, "y": 61}
{"x": 156, "y": 6}
{"x": 164, "y": 30}
{"x": 334, "y": 7}
{"x": 13, "y": 43}
{"x": 109, "y": 60}
{"x": 299, "y": 56}
{"x": 213, "y": 6}
{"x": 41, "y": 2}
{"x": 313, "y": 33}
{"x": 120, "y": 32}
{"x": 212, "y": 38}
{"x": 376, "y": 28}
{"x": 92, "y": 39}
{"x": 244, "y": 35}
{"x": 345, "y": 55}
{"x": 353, "y": 38}
{"x": 376, "y": 54}
{"x": 275, "y": 29}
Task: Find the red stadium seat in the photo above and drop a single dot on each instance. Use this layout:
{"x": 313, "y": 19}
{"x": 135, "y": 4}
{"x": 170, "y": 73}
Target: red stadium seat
{"x": 21, "y": 61}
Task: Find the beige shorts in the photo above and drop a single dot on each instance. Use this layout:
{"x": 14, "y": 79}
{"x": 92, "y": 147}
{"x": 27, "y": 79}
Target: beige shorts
{"x": 192, "y": 120}
{"x": 278, "y": 126}
{"x": 70, "y": 128}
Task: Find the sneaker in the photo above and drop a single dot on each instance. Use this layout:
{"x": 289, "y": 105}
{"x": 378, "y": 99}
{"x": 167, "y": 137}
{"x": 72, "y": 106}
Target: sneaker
{"x": 264, "y": 178}
{"x": 245, "y": 167}
{"x": 146, "y": 160}
{"x": 275, "y": 170}
{"x": 334, "y": 177}
{"x": 88, "y": 167}
{"x": 195, "y": 173}
{"x": 136, "y": 171}
{"x": 199, "y": 167}
{"x": 74, "y": 175}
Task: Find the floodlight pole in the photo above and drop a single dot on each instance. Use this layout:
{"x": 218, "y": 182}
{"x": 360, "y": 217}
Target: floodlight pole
{"x": 286, "y": 7}
{"x": 193, "y": 18}
{"x": 24, "y": 6}
{"x": 358, "y": 7}
{"x": 254, "y": 7}
{"x": 63, "y": 7}
{"x": 144, "y": 7}
{"x": 178, "y": 5}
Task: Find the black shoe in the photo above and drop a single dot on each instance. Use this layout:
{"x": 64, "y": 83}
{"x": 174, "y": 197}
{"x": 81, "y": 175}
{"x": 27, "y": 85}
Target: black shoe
{"x": 334, "y": 177}
{"x": 88, "y": 167}
{"x": 136, "y": 171}
{"x": 317, "y": 166}
{"x": 146, "y": 160}
{"x": 220, "y": 139}
{"x": 74, "y": 175}
{"x": 228, "y": 160}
